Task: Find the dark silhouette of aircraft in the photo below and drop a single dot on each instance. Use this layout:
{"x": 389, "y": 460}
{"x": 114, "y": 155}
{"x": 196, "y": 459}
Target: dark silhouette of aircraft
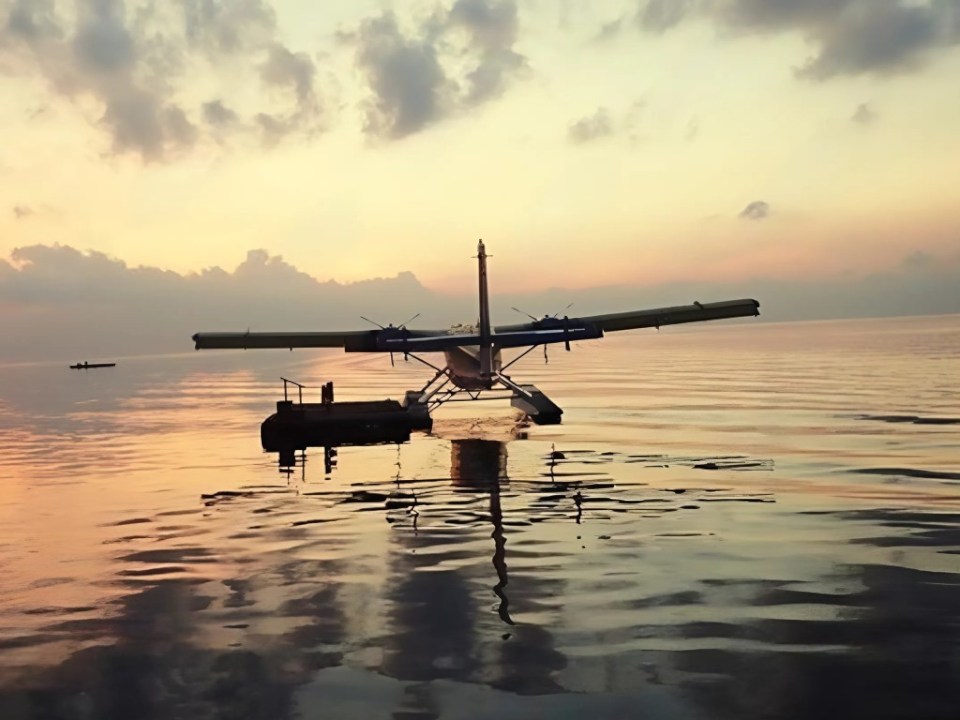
{"x": 473, "y": 366}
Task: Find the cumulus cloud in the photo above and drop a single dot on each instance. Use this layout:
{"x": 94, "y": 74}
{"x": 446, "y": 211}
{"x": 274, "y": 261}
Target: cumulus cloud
{"x": 849, "y": 37}
{"x": 603, "y": 123}
{"x": 661, "y": 15}
{"x": 757, "y": 210}
{"x": 134, "y": 58}
{"x": 286, "y": 69}
{"x": 410, "y": 89}
{"x": 225, "y": 28}
{"x": 920, "y": 260}
{"x": 219, "y": 115}
{"x": 492, "y": 28}
{"x": 62, "y": 303}
{"x": 610, "y": 30}
{"x": 592, "y": 127}
{"x": 864, "y": 115}
{"x": 451, "y": 61}
{"x": 22, "y": 211}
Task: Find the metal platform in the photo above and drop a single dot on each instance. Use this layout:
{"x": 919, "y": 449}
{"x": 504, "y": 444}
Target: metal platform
{"x": 298, "y": 425}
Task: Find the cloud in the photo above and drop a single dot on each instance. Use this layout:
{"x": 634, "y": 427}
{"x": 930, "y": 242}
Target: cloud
{"x": 219, "y": 115}
{"x": 592, "y": 127}
{"x": 410, "y": 88}
{"x": 604, "y": 123}
{"x": 285, "y": 69}
{"x": 883, "y": 36}
{"x": 32, "y": 21}
{"x": 609, "y": 31}
{"x": 849, "y": 37}
{"x": 493, "y": 29}
{"x": 864, "y": 115}
{"x": 757, "y": 210}
{"x": 295, "y": 72}
{"x": 61, "y": 303}
{"x": 660, "y": 15}
{"x": 919, "y": 260}
{"x": 22, "y": 211}
{"x": 450, "y": 62}
{"x": 135, "y": 61}
{"x": 225, "y": 28}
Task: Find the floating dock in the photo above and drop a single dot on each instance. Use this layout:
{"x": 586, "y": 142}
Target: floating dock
{"x": 298, "y": 425}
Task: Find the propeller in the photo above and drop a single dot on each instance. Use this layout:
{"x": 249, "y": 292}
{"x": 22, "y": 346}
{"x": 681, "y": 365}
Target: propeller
{"x": 545, "y": 317}
{"x": 402, "y": 327}
{"x": 566, "y": 339}
{"x": 566, "y": 326}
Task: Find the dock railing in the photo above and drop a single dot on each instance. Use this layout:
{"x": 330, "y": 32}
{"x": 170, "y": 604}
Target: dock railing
{"x": 326, "y": 391}
{"x": 287, "y": 384}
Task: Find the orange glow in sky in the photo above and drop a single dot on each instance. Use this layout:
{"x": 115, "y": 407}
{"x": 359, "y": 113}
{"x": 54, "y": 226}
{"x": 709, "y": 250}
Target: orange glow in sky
{"x": 601, "y": 153}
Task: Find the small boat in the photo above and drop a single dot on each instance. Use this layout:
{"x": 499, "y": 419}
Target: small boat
{"x": 91, "y": 366}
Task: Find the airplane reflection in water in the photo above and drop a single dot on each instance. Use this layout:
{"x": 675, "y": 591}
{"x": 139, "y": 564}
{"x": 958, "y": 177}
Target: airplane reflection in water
{"x": 476, "y": 466}
{"x": 481, "y": 465}
{"x": 434, "y": 584}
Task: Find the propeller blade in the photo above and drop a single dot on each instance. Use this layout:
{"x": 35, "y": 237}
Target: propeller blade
{"x": 410, "y": 320}
{"x": 560, "y": 311}
{"x": 372, "y": 322}
{"x": 524, "y": 313}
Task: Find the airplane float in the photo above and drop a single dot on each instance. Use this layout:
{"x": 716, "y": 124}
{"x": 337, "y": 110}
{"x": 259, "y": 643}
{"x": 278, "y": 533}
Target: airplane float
{"x": 473, "y": 367}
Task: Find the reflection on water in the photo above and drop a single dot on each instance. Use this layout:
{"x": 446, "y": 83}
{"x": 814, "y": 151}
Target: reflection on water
{"x": 761, "y": 523}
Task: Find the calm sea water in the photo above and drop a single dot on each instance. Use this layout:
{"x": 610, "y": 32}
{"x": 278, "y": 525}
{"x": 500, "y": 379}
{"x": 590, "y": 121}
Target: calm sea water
{"x": 745, "y": 521}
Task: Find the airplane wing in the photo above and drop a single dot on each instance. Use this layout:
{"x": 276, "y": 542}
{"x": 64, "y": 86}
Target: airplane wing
{"x": 351, "y": 341}
{"x": 389, "y": 340}
{"x": 698, "y": 312}
{"x": 658, "y": 317}
{"x": 261, "y": 340}
{"x": 541, "y": 332}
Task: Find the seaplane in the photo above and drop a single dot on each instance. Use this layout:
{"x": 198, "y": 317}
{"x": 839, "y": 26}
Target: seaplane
{"x": 473, "y": 367}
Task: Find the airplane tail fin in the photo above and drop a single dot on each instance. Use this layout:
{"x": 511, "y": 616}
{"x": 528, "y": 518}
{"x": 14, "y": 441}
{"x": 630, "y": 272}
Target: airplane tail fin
{"x": 486, "y": 349}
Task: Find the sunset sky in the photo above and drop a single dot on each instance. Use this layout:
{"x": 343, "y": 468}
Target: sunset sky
{"x": 589, "y": 143}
